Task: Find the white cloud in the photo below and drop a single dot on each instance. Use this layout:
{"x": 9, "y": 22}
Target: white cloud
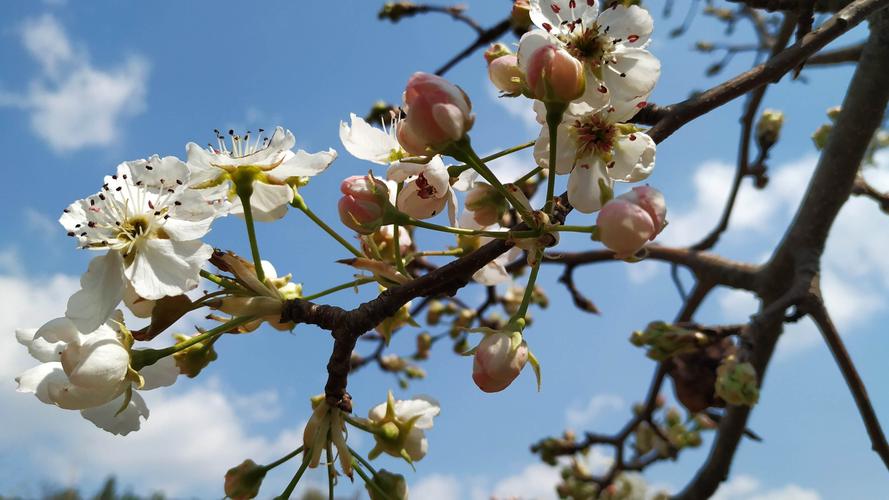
{"x": 534, "y": 482}
{"x": 579, "y": 416}
{"x": 855, "y": 274}
{"x": 436, "y": 487}
{"x": 197, "y": 430}
{"x": 73, "y": 104}
{"x": 518, "y": 107}
{"x": 743, "y": 487}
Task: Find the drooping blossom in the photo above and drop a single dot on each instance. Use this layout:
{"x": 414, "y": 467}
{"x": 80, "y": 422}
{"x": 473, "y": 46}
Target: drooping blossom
{"x": 90, "y": 372}
{"x": 270, "y": 163}
{"x": 498, "y": 360}
{"x": 427, "y": 189}
{"x": 150, "y": 223}
{"x": 632, "y": 219}
{"x": 403, "y": 424}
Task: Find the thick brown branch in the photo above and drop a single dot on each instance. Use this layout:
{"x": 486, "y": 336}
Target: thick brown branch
{"x": 770, "y": 71}
{"x": 800, "y": 250}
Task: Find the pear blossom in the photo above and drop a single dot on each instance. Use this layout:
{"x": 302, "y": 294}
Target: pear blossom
{"x": 627, "y": 222}
{"x": 269, "y": 162}
{"x": 438, "y": 114}
{"x": 554, "y": 75}
{"x": 150, "y": 223}
{"x": 596, "y": 151}
{"x": 426, "y": 191}
{"x": 611, "y": 45}
{"x": 326, "y": 425}
{"x": 403, "y": 424}
{"x": 499, "y": 359}
{"x": 494, "y": 272}
{"x": 505, "y": 74}
{"x": 90, "y": 372}
{"x": 363, "y": 205}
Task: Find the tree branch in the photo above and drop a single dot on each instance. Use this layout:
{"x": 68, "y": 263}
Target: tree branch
{"x": 803, "y": 244}
{"x": 772, "y": 70}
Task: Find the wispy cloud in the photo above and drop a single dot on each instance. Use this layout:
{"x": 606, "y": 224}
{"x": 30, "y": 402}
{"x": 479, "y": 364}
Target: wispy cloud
{"x": 73, "y": 104}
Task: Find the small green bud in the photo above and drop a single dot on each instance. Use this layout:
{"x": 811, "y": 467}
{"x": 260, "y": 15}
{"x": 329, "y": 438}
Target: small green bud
{"x": 736, "y": 382}
{"x": 193, "y": 359}
{"x": 392, "y": 485}
{"x": 244, "y": 481}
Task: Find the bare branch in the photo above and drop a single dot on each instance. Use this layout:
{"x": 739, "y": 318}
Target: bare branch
{"x": 772, "y": 70}
{"x": 820, "y": 316}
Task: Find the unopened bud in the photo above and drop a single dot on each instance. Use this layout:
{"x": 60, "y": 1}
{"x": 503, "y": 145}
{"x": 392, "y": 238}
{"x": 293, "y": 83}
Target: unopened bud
{"x": 244, "y": 481}
{"x": 486, "y": 203}
{"x": 195, "y": 358}
{"x": 438, "y": 114}
{"x": 627, "y": 222}
{"x": 520, "y": 18}
{"x": 554, "y": 75}
{"x": 769, "y": 128}
{"x": 496, "y": 50}
{"x": 364, "y": 203}
{"x": 506, "y": 75}
{"x": 499, "y": 359}
{"x": 736, "y": 382}
{"x": 389, "y": 486}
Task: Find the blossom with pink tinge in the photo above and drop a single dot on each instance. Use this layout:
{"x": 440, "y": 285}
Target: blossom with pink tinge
{"x": 499, "y": 359}
{"x": 364, "y": 203}
{"x": 554, "y": 75}
{"x": 438, "y": 114}
{"x": 627, "y": 222}
{"x": 506, "y": 75}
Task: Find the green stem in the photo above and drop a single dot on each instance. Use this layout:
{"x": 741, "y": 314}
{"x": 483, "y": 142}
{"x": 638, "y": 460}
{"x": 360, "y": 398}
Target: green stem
{"x": 219, "y": 280}
{"x": 454, "y": 252}
{"x": 299, "y": 203}
{"x": 296, "y": 477}
{"x": 363, "y": 461}
{"x": 331, "y": 472}
{"x": 283, "y": 459}
{"x": 462, "y": 150}
{"x": 359, "y": 424}
{"x": 140, "y": 358}
{"x": 399, "y": 263}
{"x": 528, "y": 176}
{"x": 344, "y": 286}
{"x": 456, "y": 170}
{"x": 370, "y": 482}
{"x": 244, "y": 194}
{"x": 554, "y": 114}
{"x": 410, "y": 221}
{"x": 529, "y": 290}
{"x": 573, "y": 229}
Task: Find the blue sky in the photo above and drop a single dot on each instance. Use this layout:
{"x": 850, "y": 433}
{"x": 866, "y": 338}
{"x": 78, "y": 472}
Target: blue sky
{"x": 85, "y": 86}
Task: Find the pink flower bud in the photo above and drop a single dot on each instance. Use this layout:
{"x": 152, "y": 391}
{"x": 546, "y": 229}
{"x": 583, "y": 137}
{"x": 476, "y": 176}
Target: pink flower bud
{"x": 505, "y": 74}
{"x": 438, "y": 113}
{"x": 363, "y": 203}
{"x": 554, "y": 75}
{"x": 627, "y": 222}
{"x": 499, "y": 359}
{"x": 243, "y": 482}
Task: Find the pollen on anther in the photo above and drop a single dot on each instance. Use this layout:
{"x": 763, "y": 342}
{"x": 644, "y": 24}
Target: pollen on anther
{"x": 547, "y": 26}
{"x": 70, "y": 233}
{"x": 556, "y": 8}
{"x": 632, "y": 137}
{"x": 149, "y": 167}
{"x": 603, "y": 89}
{"x": 632, "y": 38}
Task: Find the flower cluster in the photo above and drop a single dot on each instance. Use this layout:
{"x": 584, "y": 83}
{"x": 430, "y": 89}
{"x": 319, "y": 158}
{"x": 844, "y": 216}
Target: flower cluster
{"x": 148, "y": 221}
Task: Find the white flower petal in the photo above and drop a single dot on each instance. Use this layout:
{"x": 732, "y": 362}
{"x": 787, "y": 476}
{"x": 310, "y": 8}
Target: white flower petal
{"x": 101, "y": 290}
{"x": 191, "y": 216}
{"x": 161, "y": 374}
{"x": 566, "y": 148}
{"x": 631, "y": 25}
{"x": 410, "y": 202}
{"x": 633, "y": 158}
{"x": 555, "y": 15}
{"x": 59, "y": 330}
{"x": 423, "y": 406}
{"x": 100, "y": 363}
{"x": 366, "y": 142}
{"x": 269, "y": 202}
{"x": 156, "y": 171}
{"x": 40, "y": 379}
{"x": 163, "y": 268}
{"x": 140, "y": 307}
{"x": 584, "y": 192}
{"x": 200, "y": 165}
{"x": 416, "y": 444}
{"x": 401, "y": 171}
{"x": 528, "y": 45}
{"x": 303, "y": 164}
{"x": 41, "y": 349}
{"x": 491, "y": 274}
{"x": 641, "y": 71}
{"x": 106, "y": 416}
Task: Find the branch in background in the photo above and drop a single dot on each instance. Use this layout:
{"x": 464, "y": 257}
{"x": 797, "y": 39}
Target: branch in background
{"x": 821, "y": 317}
{"x": 849, "y": 54}
{"x": 794, "y": 5}
{"x": 786, "y": 60}
{"x": 395, "y": 11}
{"x": 862, "y": 188}
{"x": 484, "y": 38}
{"x": 801, "y": 249}
{"x": 743, "y": 167}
